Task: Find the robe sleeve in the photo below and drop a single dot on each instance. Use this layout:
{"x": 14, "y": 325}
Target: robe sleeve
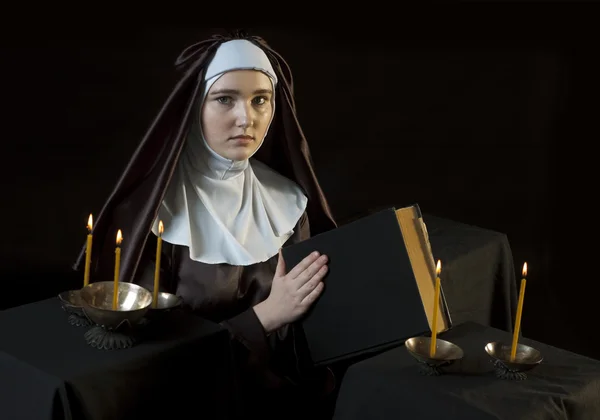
{"x": 245, "y": 329}
{"x": 252, "y": 350}
{"x": 271, "y": 360}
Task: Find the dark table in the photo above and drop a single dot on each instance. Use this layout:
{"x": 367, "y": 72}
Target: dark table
{"x": 478, "y": 275}
{"x": 391, "y": 386}
{"x": 48, "y": 371}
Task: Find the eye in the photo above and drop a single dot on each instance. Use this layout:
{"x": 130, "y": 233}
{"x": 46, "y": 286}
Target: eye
{"x": 225, "y": 100}
{"x": 260, "y": 100}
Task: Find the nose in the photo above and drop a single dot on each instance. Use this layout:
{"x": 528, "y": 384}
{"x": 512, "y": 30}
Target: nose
{"x": 244, "y": 116}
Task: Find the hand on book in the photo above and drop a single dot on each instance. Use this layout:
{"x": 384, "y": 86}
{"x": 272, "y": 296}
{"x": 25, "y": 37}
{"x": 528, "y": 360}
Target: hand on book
{"x": 293, "y": 293}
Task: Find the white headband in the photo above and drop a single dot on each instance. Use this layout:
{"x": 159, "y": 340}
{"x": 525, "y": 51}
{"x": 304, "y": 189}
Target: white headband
{"x": 238, "y": 54}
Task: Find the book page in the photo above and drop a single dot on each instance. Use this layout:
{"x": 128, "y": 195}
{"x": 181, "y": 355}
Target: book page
{"x": 419, "y": 251}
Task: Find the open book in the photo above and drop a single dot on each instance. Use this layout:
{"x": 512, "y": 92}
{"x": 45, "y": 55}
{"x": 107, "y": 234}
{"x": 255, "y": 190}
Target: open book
{"x": 379, "y": 289}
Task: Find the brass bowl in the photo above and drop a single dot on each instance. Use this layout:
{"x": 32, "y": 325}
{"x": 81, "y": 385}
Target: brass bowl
{"x": 446, "y": 352}
{"x": 166, "y": 303}
{"x": 71, "y": 301}
{"x": 132, "y": 304}
{"x": 526, "y": 358}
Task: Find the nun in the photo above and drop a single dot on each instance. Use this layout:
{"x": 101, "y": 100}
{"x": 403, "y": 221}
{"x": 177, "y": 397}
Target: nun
{"x": 227, "y": 170}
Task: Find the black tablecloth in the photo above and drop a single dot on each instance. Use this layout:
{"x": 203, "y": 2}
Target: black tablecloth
{"x": 478, "y": 274}
{"x": 390, "y": 385}
{"x": 48, "y": 371}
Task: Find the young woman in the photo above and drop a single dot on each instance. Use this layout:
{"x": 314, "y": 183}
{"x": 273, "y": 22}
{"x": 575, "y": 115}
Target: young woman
{"x": 226, "y": 168}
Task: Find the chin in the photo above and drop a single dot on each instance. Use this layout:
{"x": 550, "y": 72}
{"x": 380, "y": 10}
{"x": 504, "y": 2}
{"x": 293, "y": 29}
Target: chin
{"x": 240, "y": 154}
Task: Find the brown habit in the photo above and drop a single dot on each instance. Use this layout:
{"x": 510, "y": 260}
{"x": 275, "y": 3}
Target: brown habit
{"x": 134, "y": 202}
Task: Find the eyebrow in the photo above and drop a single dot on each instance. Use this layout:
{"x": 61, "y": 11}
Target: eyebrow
{"x": 237, "y": 92}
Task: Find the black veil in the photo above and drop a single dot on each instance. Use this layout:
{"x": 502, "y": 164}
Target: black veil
{"x": 133, "y": 204}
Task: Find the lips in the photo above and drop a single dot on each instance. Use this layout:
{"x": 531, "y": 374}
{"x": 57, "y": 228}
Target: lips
{"x": 243, "y": 140}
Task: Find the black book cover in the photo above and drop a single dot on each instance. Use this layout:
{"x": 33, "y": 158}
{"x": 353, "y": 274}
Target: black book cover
{"x": 371, "y": 300}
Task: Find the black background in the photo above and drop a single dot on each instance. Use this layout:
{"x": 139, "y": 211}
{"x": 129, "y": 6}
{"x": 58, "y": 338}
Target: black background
{"x": 494, "y": 128}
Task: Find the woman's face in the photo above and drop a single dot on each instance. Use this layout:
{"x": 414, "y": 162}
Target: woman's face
{"x": 237, "y": 112}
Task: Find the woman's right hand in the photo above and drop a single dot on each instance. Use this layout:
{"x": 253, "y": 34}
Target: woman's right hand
{"x": 292, "y": 293}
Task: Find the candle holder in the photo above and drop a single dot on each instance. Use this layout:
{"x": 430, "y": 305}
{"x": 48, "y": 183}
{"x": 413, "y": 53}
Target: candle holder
{"x": 72, "y": 304}
{"x": 526, "y": 359}
{"x": 120, "y": 328}
{"x": 166, "y": 302}
{"x": 446, "y": 353}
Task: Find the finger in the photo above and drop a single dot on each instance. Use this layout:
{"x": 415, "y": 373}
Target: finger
{"x": 303, "y": 265}
{"x": 313, "y": 282}
{"x": 312, "y": 296}
{"x": 310, "y": 271}
{"x": 280, "y": 270}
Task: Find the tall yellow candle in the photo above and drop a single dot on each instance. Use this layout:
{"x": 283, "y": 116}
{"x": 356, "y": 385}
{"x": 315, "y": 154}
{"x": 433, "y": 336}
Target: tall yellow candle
{"x": 157, "y": 266}
{"x": 436, "y": 303}
{"x": 515, "y": 340}
{"x": 88, "y": 253}
{"x": 117, "y": 268}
